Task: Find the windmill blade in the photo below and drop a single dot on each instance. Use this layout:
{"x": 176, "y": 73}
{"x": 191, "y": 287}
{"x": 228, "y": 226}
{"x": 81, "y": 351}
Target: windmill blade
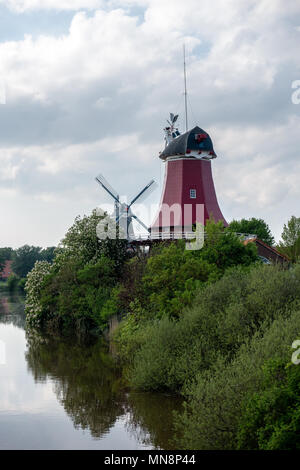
{"x": 140, "y": 222}
{"x": 151, "y": 185}
{"x": 108, "y": 188}
{"x": 173, "y": 118}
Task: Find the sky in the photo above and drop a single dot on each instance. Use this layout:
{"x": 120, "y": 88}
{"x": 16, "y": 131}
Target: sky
{"x": 86, "y": 87}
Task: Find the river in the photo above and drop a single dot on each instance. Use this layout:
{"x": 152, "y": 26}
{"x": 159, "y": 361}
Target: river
{"x": 69, "y": 394}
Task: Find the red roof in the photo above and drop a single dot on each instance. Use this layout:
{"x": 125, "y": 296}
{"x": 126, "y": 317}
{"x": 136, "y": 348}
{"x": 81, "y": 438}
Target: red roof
{"x": 7, "y": 271}
{"x": 269, "y": 248}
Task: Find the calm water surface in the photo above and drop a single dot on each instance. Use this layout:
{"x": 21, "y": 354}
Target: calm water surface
{"x": 58, "y": 394}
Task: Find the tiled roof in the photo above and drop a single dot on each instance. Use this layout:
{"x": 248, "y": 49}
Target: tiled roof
{"x": 265, "y": 245}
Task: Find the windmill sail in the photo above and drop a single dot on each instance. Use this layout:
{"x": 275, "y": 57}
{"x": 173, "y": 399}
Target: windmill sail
{"x": 123, "y": 214}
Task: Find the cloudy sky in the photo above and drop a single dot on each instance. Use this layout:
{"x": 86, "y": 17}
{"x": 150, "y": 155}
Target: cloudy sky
{"x": 86, "y": 87}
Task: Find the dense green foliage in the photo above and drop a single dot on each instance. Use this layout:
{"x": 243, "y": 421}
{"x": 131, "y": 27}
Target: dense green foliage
{"x": 271, "y": 417}
{"x": 25, "y": 257}
{"x": 165, "y": 284}
{"x": 290, "y": 243}
{"x": 213, "y": 416}
{"x": 214, "y": 325}
{"x": 76, "y": 296}
{"x": 215, "y": 352}
{"x": 222, "y": 317}
{"x": 75, "y": 290}
{"x": 253, "y": 226}
{"x": 6, "y": 253}
{"x": 23, "y": 260}
{"x": 91, "y": 280}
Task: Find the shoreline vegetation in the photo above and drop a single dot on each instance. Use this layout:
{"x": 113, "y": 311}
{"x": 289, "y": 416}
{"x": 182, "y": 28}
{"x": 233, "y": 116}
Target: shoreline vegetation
{"x": 214, "y": 326}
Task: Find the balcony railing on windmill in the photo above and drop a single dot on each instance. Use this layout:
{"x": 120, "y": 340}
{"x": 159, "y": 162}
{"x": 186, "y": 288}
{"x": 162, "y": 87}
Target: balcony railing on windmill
{"x": 166, "y": 236}
{"x": 183, "y": 236}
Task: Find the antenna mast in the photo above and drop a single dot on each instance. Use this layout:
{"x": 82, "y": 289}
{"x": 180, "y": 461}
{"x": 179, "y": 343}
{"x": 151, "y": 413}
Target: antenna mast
{"x": 185, "y": 91}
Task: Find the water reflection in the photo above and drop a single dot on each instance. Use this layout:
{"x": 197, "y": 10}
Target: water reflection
{"x": 151, "y": 418}
{"x": 89, "y": 385}
{"x": 68, "y": 394}
{"x": 12, "y": 308}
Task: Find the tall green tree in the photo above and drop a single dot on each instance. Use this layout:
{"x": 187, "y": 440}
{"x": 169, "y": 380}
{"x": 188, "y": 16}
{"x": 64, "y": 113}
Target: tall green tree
{"x": 290, "y": 243}
{"x": 253, "y": 226}
{"x": 81, "y": 241}
{"x": 24, "y": 259}
{"x": 77, "y": 288}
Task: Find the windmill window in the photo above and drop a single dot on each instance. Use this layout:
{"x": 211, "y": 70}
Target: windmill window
{"x": 192, "y": 193}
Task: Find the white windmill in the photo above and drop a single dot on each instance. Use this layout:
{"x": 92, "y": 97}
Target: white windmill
{"x": 122, "y": 212}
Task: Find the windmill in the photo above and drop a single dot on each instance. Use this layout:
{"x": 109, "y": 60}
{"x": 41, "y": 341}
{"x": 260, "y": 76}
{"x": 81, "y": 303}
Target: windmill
{"x": 123, "y": 213}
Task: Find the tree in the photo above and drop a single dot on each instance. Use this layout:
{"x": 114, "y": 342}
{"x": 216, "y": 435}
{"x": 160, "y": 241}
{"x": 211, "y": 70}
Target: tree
{"x": 76, "y": 289}
{"x": 24, "y": 259}
{"x": 224, "y": 248}
{"x": 253, "y": 226}
{"x": 290, "y": 244}
{"x": 47, "y": 254}
{"x": 5, "y": 255}
{"x": 81, "y": 241}
{"x": 173, "y": 273}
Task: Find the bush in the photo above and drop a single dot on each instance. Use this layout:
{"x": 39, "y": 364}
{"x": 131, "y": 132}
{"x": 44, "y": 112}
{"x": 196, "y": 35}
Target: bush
{"x": 76, "y": 297}
{"x": 212, "y": 415}
{"x": 170, "y": 279}
{"x": 172, "y": 275}
{"x": 168, "y": 354}
{"x": 271, "y": 417}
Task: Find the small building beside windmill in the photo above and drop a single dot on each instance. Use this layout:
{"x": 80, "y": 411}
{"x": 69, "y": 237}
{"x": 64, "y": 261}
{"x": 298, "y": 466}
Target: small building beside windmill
{"x": 267, "y": 253}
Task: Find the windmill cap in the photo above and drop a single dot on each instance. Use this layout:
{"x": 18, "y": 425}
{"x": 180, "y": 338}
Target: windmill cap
{"x": 194, "y": 140}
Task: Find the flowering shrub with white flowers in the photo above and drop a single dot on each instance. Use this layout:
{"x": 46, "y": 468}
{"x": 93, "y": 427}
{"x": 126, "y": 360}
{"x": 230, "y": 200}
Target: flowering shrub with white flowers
{"x": 33, "y": 285}
{"x": 76, "y": 289}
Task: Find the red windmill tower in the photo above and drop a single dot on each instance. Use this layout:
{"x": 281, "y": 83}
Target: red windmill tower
{"x": 188, "y": 193}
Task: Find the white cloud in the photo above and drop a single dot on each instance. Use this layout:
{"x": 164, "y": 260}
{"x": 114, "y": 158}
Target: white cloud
{"x": 95, "y": 99}
{"x": 23, "y": 5}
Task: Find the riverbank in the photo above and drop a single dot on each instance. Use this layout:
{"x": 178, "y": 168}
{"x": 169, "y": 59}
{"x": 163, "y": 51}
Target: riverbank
{"x": 230, "y": 356}
{"x": 192, "y": 323}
